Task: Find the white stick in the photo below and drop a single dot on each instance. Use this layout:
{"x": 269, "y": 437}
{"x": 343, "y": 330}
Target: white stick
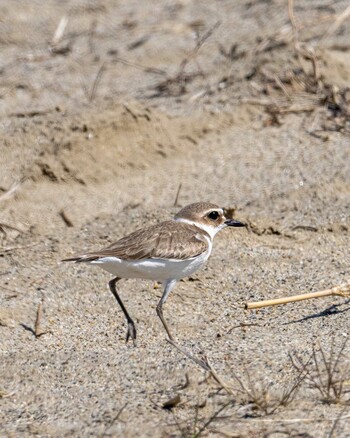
{"x": 342, "y": 290}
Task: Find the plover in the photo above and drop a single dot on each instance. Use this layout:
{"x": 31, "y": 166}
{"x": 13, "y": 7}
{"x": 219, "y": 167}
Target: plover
{"x": 165, "y": 252}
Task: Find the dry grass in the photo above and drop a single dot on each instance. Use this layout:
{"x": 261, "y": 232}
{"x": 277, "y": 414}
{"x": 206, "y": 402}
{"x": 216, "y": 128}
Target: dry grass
{"x": 327, "y": 373}
{"x": 175, "y": 85}
{"x": 295, "y": 84}
{"x": 265, "y": 397}
{"x": 197, "y": 426}
{"x": 252, "y": 397}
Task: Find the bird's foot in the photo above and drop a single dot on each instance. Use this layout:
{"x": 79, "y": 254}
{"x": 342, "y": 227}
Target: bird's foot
{"x": 131, "y": 333}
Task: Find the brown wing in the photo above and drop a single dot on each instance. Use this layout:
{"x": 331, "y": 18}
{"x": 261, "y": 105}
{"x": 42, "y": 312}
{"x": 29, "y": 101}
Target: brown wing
{"x": 166, "y": 240}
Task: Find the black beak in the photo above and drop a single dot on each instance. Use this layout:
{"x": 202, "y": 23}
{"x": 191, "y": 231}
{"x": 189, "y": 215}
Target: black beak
{"x": 234, "y": 223}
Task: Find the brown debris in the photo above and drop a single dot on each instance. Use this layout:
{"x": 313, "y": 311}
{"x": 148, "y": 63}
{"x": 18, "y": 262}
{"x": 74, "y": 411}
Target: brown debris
{"x": 65, "y": 218}
{"x": 171, "y": 403}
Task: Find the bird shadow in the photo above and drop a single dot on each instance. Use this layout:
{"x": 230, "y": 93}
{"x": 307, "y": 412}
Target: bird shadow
{"x": 329, "y": 311}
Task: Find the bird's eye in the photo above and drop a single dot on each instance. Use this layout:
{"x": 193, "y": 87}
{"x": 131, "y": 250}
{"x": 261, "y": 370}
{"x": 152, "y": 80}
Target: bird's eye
{"x": 213, "y": 215}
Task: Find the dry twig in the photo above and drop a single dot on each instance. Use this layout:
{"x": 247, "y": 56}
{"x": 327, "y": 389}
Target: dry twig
{"x": 176, "y": 85}
{"x": 10, "y": 227}
{"x": 65, "y": 218}
{"x": 337, "y": 23}
{"x": 58, "y": 35}
{"x": 37, "y": 326}
{"x": 11, "y": 191}
{"x": 206, "y": 366}
{"x": 113, "y": 421}
{"x": 177, "y": 195}
{"x": 16, "y": 248}
{"x": 96, "y": 82}
{"x": 293, "y": 20}
{"x": 342, "y": 290}
{"x": 5, "y": 394}
{"x": 336, "y": 422}
{"x": 212, "y": 418}
{"x": 144, "y": 68}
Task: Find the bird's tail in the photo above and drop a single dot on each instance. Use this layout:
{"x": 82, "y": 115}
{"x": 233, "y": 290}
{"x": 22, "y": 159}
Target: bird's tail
{"x": 81, "y": 258}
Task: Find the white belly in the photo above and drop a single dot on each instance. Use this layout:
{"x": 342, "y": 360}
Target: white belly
{"x": 152, "y": 269}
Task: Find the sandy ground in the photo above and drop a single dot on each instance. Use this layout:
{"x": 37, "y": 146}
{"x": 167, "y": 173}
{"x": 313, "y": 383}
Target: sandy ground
{"x": 101, "y": 122}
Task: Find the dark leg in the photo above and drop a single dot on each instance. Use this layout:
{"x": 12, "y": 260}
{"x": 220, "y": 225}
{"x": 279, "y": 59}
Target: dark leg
{"x": 167, "y": 289}
{"x": 131, "y": 333}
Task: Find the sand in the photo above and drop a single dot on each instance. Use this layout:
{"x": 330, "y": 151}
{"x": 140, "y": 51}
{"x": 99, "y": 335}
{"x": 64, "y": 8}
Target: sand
{"x": 100, "y": 126}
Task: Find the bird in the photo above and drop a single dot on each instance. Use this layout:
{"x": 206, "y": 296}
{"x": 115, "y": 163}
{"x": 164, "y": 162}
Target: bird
{"x": 165, "y": 252}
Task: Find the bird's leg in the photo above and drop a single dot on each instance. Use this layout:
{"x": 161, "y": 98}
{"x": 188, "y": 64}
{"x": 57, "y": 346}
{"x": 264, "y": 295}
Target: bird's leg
{"x": 169, "y": 285}
{"x": 131, "y": 333}
{"x": 160, "y": 314}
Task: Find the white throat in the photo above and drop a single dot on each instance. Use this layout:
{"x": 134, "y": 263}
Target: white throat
{"x": 207, "y": 228}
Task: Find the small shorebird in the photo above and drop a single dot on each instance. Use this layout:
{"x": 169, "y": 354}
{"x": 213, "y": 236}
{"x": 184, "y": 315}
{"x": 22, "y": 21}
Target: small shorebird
{"x": 165, "y": 252}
